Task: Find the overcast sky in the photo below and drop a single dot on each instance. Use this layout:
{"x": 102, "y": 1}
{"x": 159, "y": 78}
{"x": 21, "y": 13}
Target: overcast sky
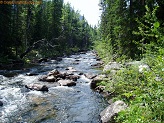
{"x": 88, "y": 8}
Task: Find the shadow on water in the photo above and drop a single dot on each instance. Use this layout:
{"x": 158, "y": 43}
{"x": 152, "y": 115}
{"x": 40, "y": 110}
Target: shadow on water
{"x": 61, "y": 104}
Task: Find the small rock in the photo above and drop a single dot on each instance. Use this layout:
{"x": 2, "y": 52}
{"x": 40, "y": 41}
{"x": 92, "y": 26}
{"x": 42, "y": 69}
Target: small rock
{"x": 72, "y": 77}
{"x": 81, "y": 73}
{"x": 42, "y": 60}
{"x": 50, "y": 79}
{"x": 1, "y": 103}
{"x": 31, "y": 74}
{"x": 71, "y": 69}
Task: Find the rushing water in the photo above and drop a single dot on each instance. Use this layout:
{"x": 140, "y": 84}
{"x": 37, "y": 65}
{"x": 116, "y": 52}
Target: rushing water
{"x": 77, "y": 104}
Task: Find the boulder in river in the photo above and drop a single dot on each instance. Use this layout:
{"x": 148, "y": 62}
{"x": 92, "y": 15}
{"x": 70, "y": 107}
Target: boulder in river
{"x": 96, "y": 80}
{"x": 50, "y": 79}
{"x": 53, "y": 72}
{"x": 66, "y": 83}
{"x": 72, "y": 77}
{"x": 1, "y": 103}
{"x": 112, "y": 110}
{"x": 90, "y": 75}
{"x": 37, "y": 87}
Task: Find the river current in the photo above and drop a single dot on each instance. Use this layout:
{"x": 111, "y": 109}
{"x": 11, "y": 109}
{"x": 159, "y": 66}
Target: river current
{"x": 61, "y": 104}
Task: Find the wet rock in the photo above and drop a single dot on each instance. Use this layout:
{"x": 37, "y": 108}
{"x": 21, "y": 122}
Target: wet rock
{"x": 53, "y": 72}
{"x": 72, "y": 77}
{"x": 75, "y": 63}
{"x": 59, "y": 59}
{"x": 81, "y": 73}
{"x": 97, "y": 65}
{"x": 31, "y": 74}
{"x": 112, "y": 66}
{"x": 96, "y": 80}
{"x": 71, "y": 69}
{"x": 42, "y": 60}
{"x": 37, "y": 87}
{"x": 50, "y": 79}
{"x": 66, "y": 83}
{"x": 100, "y": 89}
{"x": 90, "y": 75}
{"x": 1, "y": 103}
{"x": 112, "y": 110}
{"x": 43, "y": 78}
{"x": 77, "y": 60}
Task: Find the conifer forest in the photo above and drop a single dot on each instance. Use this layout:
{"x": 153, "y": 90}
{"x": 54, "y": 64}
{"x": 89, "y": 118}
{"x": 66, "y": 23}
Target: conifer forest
{"x": 130, "y": 34}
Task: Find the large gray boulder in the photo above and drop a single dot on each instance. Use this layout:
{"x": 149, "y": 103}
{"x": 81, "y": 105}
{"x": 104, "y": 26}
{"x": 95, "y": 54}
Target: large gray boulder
{"x": 108, "y": 113}
{"x": 66, "y": 83}
{"x": 37, "y": 87}
{"x": 112, "y": 66}
{"x": 96, "y": 80}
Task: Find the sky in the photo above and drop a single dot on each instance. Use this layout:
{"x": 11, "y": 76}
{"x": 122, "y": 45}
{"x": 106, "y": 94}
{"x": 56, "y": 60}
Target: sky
{"x": 88, "y": 8}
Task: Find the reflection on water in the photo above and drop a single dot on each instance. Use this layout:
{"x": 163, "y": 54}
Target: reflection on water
{"x": 78, "y": 104}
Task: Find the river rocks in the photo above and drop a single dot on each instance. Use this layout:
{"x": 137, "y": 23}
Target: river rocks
{"x": 53, "y": 72}
{"x": 42, "y": 60}
{"x": 50, "y": 78}
{"x": 72, "y": 77}
{"x": 96, "y": 80}
{"x": 1, "y": 103}
{"x": 66, "y": 83}
{"x": 112, "y": 66}
{"x": 112, "y": 110}
{"x": 90, "y": 75}
{"x": 97, "y": 65}
{"x": 37, "y": 87}
{"x": 71, "y": 69}
{"x": 65, "y": 78}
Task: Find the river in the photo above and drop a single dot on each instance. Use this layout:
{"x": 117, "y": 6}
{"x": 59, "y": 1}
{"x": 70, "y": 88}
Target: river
{"x": 61, "y": 104}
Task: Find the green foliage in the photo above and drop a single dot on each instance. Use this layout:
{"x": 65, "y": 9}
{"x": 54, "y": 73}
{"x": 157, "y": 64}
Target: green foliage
{"x": 150, "y": 32}
{"x": 64, "y": 29}
{"x": 142, "y": 91}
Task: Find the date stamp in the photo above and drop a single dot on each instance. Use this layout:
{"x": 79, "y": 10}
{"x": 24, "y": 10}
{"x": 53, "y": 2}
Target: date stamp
{"x": 20, "y": 2}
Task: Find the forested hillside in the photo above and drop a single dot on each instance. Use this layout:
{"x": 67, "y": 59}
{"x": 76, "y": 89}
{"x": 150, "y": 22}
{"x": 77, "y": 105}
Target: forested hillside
{"x": 131, "y": 35}
{"x": 49, "y": 29}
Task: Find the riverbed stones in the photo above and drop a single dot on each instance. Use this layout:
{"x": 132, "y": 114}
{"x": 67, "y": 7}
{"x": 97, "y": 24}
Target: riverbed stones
{"x": 66, "y": 83}
{"x": 112, "y": 110}
{"x": 53, "y": 72}
{"x": 90, "y": 75}
{"x": 37, "y": 87}
{"x": 50, "y": 78}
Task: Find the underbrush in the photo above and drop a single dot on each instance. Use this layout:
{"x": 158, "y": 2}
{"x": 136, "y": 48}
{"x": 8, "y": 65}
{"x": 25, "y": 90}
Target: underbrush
{"x": 142, "y": 91}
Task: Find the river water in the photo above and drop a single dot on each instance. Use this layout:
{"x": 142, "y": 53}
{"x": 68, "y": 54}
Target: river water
{"x": 61, "y": 104}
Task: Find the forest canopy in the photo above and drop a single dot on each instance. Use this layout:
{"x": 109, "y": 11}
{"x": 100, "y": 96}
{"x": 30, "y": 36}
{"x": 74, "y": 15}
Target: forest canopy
{"x": 51, "y": 28}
